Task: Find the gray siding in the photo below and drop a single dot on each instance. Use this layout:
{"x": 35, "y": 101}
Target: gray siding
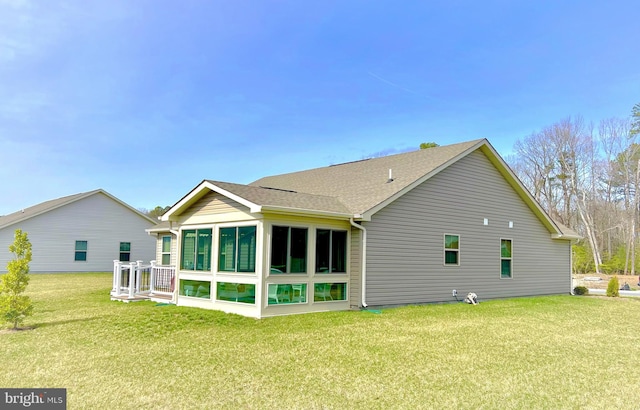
{"x": 405, "y": 255}
{"x": 97, "y": 219}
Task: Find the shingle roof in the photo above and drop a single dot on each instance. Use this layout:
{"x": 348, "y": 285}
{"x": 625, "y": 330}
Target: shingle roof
{"x": 361, "y": 185}
{"x": 40, "y": 208}
{"x": 284, "y": 198}
{"x": 358, "y": 189}
{"x": 50, "y": 205}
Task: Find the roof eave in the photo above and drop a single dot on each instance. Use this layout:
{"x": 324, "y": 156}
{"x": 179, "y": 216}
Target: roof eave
{"x": 305, "y": 212}
{"x": 75, "y": 199}
{"x": 519, "y": 187}
{"x": 366, "y": 215}
{"x": 504, "y": 170}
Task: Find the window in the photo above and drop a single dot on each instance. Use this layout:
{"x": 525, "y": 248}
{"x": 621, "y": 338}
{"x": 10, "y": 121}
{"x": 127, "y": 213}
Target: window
{"x": 505, "y": 258}
{"x": 166, "y": 250}
{"x": 287, "y": 293}
{"x": 81, "y": 251}
{"x": 288, "y": 250}
{"x": 331, "y": 251}
{"x": 236, "y": 292}
{"x": 237, "y": 249}
{"x": 196, "y": 249}
{"x": 452, "y": 250}
{"x": 125, "y": 251}
{"x": 195, "y": 288}
{"x": 326, "y": 292}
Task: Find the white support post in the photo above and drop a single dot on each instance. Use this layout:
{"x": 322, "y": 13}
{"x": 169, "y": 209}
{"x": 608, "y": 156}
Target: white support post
{"x": 152, "y": 277}
{"x": 117, "y": 277}
{"x": 138, "y": 276}
{"x": 132, "y": 279}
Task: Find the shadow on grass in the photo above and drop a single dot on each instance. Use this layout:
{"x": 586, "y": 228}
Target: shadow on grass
{"x": 65, "y": 322}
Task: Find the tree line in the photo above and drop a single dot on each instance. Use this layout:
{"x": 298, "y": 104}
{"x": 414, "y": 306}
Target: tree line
{"x": 587, "y": 177}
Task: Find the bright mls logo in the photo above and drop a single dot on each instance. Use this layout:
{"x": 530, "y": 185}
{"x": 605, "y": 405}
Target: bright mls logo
{"x": 49, "y": 399}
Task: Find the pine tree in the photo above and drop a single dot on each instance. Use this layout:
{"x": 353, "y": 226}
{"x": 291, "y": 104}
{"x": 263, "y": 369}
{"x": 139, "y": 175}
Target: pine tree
{"x": 14, "y": 306}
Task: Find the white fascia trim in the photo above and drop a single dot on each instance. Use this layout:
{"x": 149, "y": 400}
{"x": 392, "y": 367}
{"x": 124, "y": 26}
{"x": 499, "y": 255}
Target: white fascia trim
{"x": 305, "y": 212}
{"x": 571, "y": 238}
{"x": 186, "y": 200}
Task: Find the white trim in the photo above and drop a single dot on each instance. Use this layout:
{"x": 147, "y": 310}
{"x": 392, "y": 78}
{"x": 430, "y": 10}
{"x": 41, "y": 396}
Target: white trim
{"x": 202, "y": 189}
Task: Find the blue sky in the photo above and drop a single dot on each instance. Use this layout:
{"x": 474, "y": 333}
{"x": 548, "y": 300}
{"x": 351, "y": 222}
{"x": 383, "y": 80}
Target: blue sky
{"x": 147, "y": 98}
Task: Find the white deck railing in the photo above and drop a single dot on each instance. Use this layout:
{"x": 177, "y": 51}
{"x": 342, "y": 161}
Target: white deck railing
{"x": 133, "y": 279}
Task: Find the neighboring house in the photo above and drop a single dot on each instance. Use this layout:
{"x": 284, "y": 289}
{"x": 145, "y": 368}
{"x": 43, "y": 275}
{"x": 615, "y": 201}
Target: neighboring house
{"x": 79, "y": 233}
{"x": 403, "y": 229}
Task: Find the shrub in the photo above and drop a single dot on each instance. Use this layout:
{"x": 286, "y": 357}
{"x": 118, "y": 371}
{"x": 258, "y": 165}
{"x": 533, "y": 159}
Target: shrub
{"x": 14, "y": 306}
{"x": 613, "y": 287}
{"x": 580, "y": 290}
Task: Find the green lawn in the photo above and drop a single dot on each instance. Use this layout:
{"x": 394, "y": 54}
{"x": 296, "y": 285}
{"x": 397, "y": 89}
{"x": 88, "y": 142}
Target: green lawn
{"x": 544, "y": 353}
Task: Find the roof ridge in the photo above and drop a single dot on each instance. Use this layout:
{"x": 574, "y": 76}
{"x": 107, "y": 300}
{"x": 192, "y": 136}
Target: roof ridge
{"x": 376, "y": 159}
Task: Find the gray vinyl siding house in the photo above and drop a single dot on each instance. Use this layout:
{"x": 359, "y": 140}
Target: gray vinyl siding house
{"x": 79, "y": 233}
{"x": 405, "y": 262}
{"x": 403, "y": 229}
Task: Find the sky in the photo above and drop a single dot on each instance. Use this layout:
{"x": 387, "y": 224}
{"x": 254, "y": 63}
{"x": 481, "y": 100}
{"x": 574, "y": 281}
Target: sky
{"x": 147, "y": 98}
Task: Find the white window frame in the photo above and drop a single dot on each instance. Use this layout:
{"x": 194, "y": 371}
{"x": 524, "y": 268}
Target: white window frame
{"x": 445, "y": 249}
{"x": 162, "y": 252}
{"x": 258, "y": 253}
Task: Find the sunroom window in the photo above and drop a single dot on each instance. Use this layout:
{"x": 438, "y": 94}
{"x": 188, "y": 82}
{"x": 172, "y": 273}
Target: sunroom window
{"x": 285, "y": 293}
{"x": 288, "y": 250}
{"x": 331, "y": 251}
{"x": 325, "y": 292}
{"x": 195, "y": 288}
{"x": 236, "y": 292}
{"x": 237, "y": 249}
{"x": 196, "y": 250}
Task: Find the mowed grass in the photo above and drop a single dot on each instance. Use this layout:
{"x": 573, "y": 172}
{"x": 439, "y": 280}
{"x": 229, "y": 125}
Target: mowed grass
{"x": 529, "y": 353}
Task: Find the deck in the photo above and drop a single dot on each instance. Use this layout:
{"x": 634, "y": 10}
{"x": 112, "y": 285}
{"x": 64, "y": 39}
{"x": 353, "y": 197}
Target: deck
{"x": 133, "y": 282}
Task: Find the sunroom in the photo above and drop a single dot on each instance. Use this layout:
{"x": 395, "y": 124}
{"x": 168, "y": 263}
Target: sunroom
{"x": 256, "y": 264}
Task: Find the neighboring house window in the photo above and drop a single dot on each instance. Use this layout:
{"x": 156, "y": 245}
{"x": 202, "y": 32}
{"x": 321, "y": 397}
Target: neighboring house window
{"x": 505, "y": 258}
{"x": 166, "y": 250}
{"x": 237, "y": 249}
{"x": 452, "y": 250}
{"x": 125, "y": 251}
{"x": 81, "y": 251}
{"x": 331, "y": 251}
{"x": 325, "y": 292}
{"x": 288, "y": 250}
{"x": 196, "y": 249}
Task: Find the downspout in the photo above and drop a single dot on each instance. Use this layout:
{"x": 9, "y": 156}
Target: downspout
{"x": 363, "y": 273}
